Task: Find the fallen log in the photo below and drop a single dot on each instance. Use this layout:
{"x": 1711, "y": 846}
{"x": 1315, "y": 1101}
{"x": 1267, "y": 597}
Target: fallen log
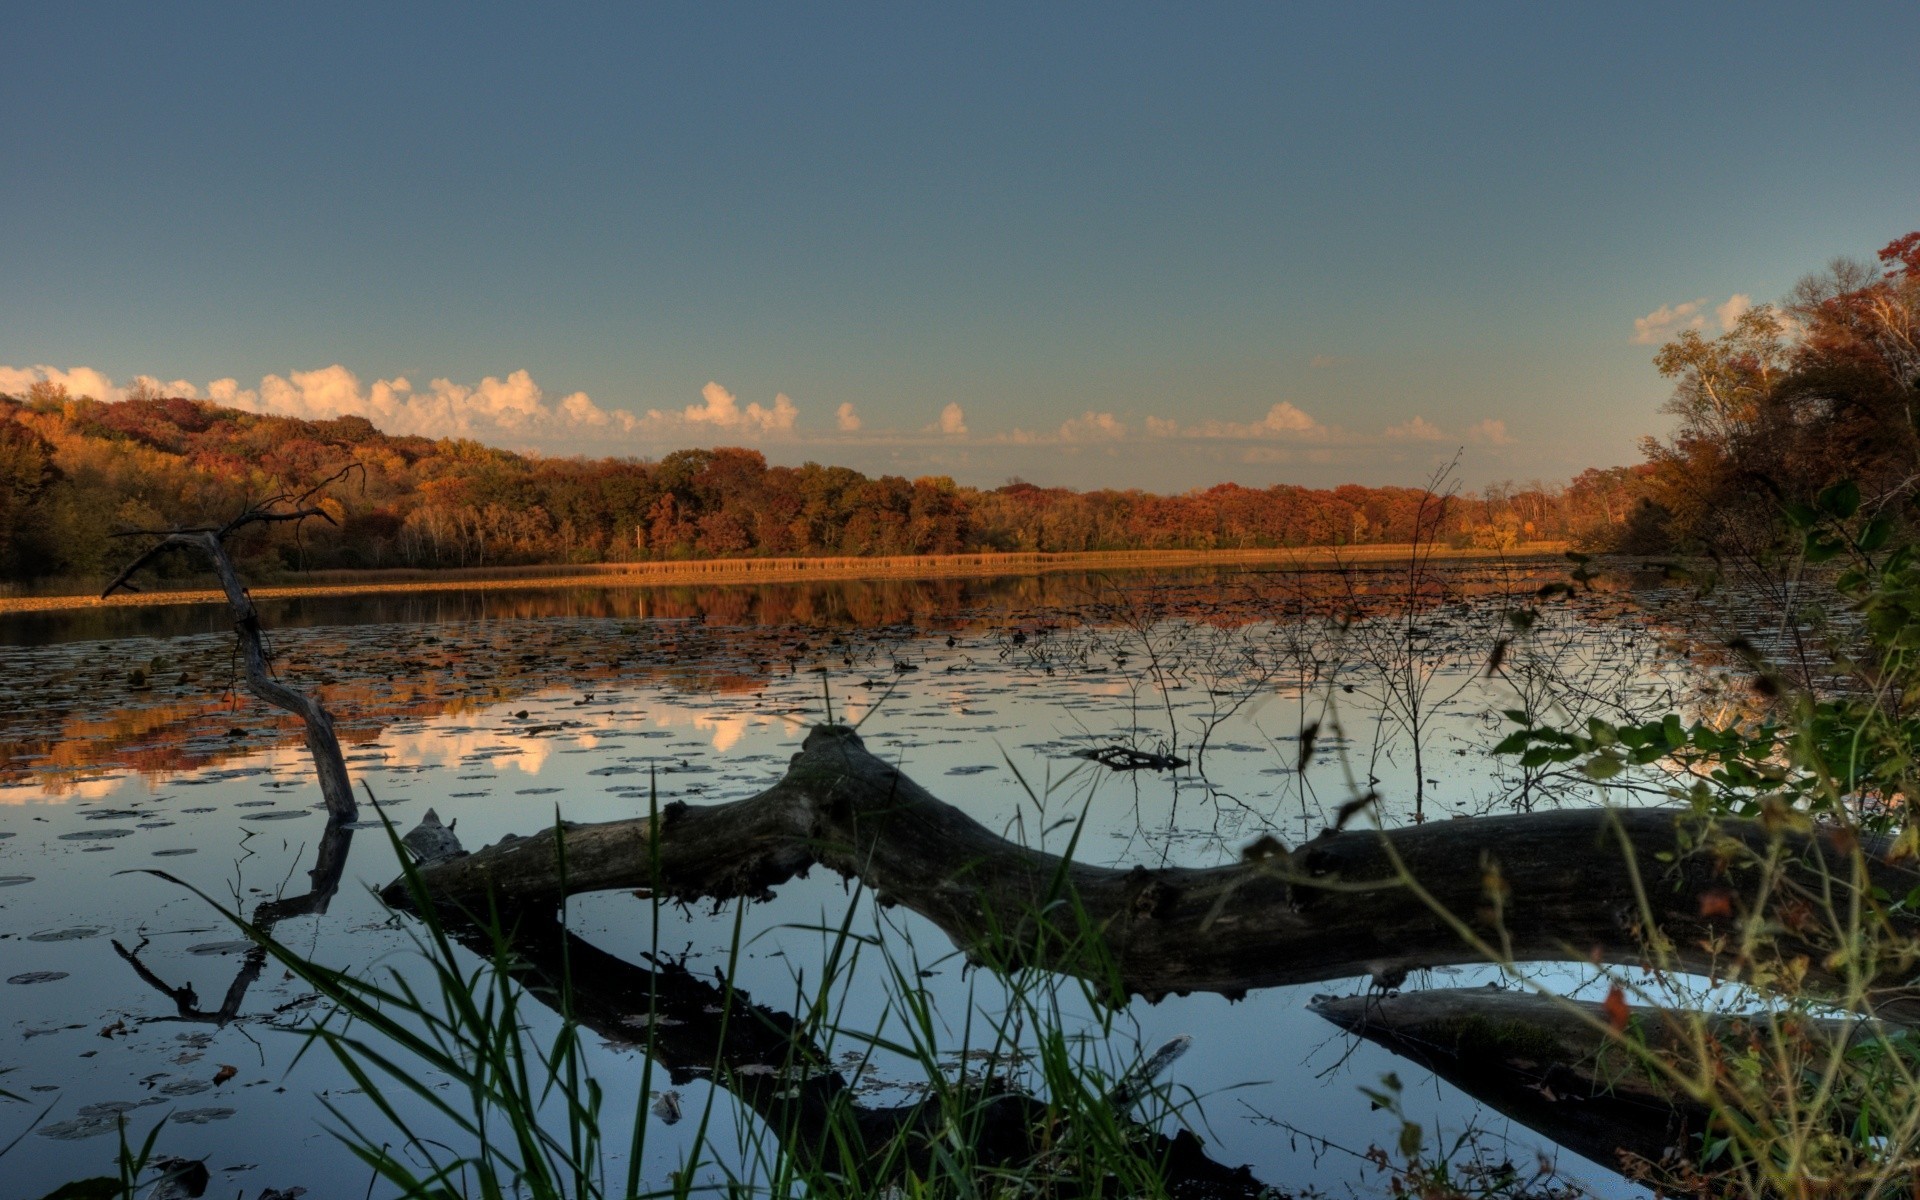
{"x": 1532, "y": 887}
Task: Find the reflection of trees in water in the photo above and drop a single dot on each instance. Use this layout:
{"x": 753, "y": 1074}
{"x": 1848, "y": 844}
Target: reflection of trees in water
{"x": 447, "y": 654}
{"x": 330, "y": 861}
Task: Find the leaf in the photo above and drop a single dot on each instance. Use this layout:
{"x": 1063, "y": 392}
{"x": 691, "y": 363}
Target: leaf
{"x": 1514, "y": 743}
{"x": 1840, "y": 499}
{"x": 1876, "y": 534}
{"x": 1615, "y": 1006}
{"x": 1601, "y": 767}
{"x": 1411, "y": 1139}
{"x": 224, "y": 1073}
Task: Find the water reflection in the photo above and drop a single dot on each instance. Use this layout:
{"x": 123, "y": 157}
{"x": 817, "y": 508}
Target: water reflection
{"x": 591, "y": 702}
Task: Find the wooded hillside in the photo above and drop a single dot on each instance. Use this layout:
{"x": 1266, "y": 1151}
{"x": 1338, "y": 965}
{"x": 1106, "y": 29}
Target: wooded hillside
{"x": 74, "y": 470}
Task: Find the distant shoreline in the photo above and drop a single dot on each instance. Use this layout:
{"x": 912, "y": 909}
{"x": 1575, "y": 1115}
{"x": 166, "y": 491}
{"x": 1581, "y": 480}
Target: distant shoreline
{"x": 719, "y": 571}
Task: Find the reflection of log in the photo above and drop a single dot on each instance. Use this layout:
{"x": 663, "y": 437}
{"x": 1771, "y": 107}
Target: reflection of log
{"x": 701, "y": 1030}
{"x": 1556, "y": 1067}
{"x": 1330, "y": 909}
{"x": 1532, "y": 1060}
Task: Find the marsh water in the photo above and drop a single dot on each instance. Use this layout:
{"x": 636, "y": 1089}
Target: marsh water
{"x": 127, "y": 746}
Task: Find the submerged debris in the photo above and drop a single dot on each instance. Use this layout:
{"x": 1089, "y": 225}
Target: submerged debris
{"x": 1125, "y": 758}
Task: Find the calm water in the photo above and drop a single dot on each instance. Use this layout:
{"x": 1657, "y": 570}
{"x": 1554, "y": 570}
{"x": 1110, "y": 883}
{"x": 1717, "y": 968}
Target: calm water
{"x": 122, "y": 747}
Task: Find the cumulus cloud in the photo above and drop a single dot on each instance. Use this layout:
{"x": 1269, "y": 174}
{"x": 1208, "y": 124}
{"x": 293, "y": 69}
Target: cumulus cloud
{"x": 953, "y": 421}
{"x": 1669, "y": 320}
{"x": 79, "y": 381}
{"x": 1283, "y": 420}
{"x": 1491, "y": 432}
{"x": 512, "y": 408}
{"x": 1162, "y": 427}
{"x": 1416, "y": 429}
{"x": 846, "y": 418}
{"x": 1089, "y": 426}
{"x": 720, "y": 408}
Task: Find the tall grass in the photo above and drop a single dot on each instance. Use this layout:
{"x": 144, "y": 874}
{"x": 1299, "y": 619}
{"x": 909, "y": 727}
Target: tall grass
{"x": 470, "y": 1091}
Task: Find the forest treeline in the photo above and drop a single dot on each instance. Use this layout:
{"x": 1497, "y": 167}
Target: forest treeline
{"x": 74, "y": 470}
{"x": 1791, "y": 398}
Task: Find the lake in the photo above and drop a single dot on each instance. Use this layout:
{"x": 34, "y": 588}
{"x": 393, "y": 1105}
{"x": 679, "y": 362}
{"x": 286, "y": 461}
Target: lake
{"x": 128, "y": 743}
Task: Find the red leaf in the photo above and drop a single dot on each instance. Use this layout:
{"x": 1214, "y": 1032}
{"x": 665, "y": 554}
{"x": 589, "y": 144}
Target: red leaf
{"x": 1615, "y": 1006}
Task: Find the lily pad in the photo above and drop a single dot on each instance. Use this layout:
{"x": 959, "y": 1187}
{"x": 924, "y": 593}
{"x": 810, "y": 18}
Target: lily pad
{"x": 231, "y": 947}
{"x": 72, "y": 934}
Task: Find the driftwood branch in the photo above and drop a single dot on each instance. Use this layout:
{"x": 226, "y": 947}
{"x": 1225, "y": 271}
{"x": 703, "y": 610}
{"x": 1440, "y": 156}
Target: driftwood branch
{"x": 1339, "y": 906}
{"x": 330, "y": 766}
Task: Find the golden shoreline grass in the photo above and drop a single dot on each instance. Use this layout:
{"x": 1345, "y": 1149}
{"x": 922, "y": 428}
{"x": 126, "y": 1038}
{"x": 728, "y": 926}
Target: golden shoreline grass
{"x": 765, "y": 570}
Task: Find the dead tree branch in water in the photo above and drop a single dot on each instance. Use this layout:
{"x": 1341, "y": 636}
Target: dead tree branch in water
{"x": 1553, "y": 886}
{"x": 211, "y": 543}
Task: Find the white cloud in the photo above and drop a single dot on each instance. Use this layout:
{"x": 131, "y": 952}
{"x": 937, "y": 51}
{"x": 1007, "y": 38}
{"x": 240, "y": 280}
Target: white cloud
{"x": 722, "y": 410}
{"x": 80, "y": 381}
{"x": 178, "y": 387}
{"x": 1162, "y": 427}
{"x": 1416, "y": 429}
{"x": 953, "y": 421}
{"x": 1283, "y": 420}
{"x": 1491, "y": 431}
{"x": 846, "y": 418}
{"x": 512, "y": 409}
{"x": 1091, "y": 426}
{"x": 1667, "y": 320}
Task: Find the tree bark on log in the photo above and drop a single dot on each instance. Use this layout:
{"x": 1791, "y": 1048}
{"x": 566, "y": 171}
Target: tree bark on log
{"x": 1342, "y": 905}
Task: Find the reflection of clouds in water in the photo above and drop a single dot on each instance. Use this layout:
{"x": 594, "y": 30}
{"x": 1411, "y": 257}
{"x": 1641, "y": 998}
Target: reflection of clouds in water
{"x": 435, "y": 746}
{"x": 726, "y": 730}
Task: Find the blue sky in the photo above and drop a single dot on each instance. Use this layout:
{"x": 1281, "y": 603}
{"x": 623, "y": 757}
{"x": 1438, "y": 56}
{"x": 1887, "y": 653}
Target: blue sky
{"x": 1092, "y": 245}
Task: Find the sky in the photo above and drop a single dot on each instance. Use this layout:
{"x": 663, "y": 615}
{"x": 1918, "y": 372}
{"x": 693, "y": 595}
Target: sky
{"x": 1114, "y": 245}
